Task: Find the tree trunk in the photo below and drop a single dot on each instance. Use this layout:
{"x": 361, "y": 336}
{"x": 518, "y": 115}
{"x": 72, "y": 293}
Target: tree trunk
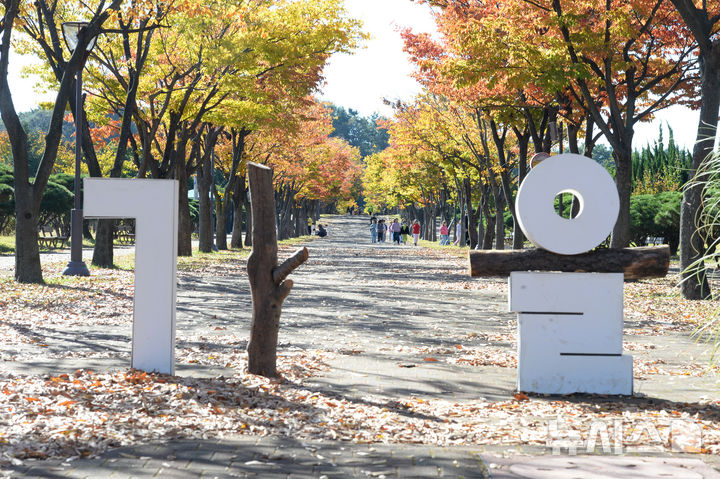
{"x": 221, "y": 214}
{"x": 623, "y": 174}
{"x": 695, "y": 283}
{"x": 472, "y": 218}
{"x": 489, "y": 236}
{"x": 523, "y": 143}
{"x": 499, "y": 219}
{"x": 248, "y": 222}
{"x": 184, "y": 221}
{"x": 635, "y": 263}
{"x": 267, "y": 280}
{"x": 27, "y": 253}
{"x": 204, "y": 175}
{"x": 236, "y": 240}
{"x": 480, "y": 227}
{"x": 238, "y": 196}
{"x": 103, "y": 251}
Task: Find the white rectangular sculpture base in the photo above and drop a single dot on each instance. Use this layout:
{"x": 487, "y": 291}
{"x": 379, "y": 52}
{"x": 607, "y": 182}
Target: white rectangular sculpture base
{"x": 570, "y": 333}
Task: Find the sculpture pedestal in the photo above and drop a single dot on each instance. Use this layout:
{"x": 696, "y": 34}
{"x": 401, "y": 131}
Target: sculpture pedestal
{"x": 570, "y": 333}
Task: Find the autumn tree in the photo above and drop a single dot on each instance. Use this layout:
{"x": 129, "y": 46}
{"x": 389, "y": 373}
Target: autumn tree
{"x": 309, "y": 166}
{"x": 28, "y": 194}
{"x": 250, "y": 62}
{"x": 614, "y": 63}
{"x": 703, "y": 21}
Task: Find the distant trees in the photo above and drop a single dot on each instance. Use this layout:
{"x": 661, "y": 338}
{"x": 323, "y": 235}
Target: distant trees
{"x": 364, "y": 133}
{"x": 166, "y": 83}
{"x": 658, "y": 168}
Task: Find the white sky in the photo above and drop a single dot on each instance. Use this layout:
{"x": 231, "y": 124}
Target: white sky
{"x": 382, "y": 70}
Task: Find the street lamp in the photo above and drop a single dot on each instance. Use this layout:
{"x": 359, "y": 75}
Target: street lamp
{"x": 76, "y": 266}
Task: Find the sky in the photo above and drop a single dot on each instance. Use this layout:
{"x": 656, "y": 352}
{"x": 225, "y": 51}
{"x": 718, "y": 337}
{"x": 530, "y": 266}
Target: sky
{"x": 381, "y": 69}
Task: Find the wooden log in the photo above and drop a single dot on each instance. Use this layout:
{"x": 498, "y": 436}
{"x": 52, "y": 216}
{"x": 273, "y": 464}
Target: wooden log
{"x": 268, "y": 285}
{"x": 634, "y": 263}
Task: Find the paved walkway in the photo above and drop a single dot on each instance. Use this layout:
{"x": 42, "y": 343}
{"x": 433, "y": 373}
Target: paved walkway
{"x": 382, "y": 313}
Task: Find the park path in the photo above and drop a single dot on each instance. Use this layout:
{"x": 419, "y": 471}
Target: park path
{"x": 7, "y": 261}
{"x": 393, "y": 322}
{"x": 399, "y": 321}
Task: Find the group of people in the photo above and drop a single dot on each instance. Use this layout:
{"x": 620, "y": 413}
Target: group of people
{"x": 320, "y": 230}
{"x": 445, "y": 234}
{"x": 395, "y": 231}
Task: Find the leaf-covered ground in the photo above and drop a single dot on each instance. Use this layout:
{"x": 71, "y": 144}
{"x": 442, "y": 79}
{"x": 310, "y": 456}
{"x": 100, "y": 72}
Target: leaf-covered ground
{"x": 83, "y": 412}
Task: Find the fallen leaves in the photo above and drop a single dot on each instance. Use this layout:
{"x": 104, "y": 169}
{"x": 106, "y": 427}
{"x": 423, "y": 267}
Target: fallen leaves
{"x": 85, "y": 413}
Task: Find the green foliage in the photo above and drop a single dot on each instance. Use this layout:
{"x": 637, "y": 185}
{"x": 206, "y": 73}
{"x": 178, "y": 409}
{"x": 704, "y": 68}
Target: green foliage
{"x": 55, "y": 208}
{"x": 194, "y": 206}
{"x": 7, "y": 200}
{"x": 656, "y": 215}
{"x": 361, "y": 132}
{"x": 64, "y": 179}
{"x": 643, "y": 209}
{"x": 658, "y": 168}
{"x": 603, "y": 155}
{"x": 38, "y": 120}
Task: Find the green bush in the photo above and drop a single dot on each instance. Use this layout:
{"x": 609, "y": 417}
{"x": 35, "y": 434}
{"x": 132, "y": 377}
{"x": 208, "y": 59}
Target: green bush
{"x": 7, "y": 198}
{"x": 55, "y": 208}
{"x": 66, "y": 180}
{"x": 656, "y": 215}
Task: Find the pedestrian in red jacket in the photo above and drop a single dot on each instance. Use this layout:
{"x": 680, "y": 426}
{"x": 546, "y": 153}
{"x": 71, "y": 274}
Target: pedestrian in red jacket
{"x": 416, "y": 231}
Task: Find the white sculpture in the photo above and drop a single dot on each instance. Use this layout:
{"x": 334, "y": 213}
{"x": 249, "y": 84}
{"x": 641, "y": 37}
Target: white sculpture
{"x": 154, "y": 205}
{"x": 569, "y": 324}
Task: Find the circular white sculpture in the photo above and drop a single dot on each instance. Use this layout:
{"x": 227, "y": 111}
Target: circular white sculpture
{"x": 584, "y": 178}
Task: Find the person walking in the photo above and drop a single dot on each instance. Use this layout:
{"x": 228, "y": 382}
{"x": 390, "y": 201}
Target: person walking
{"x": 444, "y": 234}
{"x": 458, "y": 232}
{"x": 373, "y": 229}
{"x": 416, "y": 231}
{"x": 395, "y": 228}
{"x": 404, "y": 232}
{"x": 379, "y": 231}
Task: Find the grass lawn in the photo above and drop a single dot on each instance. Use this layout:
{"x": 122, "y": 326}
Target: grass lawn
{"x": 7, "y": 244}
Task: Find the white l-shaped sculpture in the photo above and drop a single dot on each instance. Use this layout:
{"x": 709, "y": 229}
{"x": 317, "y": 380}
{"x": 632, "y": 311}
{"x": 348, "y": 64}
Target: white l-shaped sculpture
{"x": 154, "y": 205}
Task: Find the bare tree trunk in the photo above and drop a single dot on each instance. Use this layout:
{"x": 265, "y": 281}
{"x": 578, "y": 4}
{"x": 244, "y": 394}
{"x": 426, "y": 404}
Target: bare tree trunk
{"x": 221, "y": 212}
{"x": 238, "y": 196}
{"x": 703, "y": 25}
{"x": 184, "y": 222}
{"x": 248, "y": 222}
{"x": 204, "y": 175}
{"x": 635, "y": 263}
{"x": 472, "y": 218}
{"x": 103, "y": 251}
{"x": 695, "y": 284}
{"x": 27, "y": 253}
{"x": 523, "y": 143}
{"x": 267, "y": 280}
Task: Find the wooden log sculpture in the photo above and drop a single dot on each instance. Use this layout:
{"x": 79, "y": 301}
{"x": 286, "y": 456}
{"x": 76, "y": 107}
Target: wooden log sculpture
{"x": 635, "y": 263}
{"x": 267, "y": 279}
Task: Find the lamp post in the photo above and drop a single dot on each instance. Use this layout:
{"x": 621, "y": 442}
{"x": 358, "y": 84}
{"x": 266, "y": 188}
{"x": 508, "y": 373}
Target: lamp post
{"x": 76, "y": 266}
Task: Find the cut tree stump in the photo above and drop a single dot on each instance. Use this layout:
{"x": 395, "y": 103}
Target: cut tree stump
{"x": 267, "y": 279}
{"x": 634, "y": 263}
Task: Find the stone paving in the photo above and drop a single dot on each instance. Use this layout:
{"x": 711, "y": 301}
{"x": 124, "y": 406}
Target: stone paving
{"x": 376, "y": 310}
